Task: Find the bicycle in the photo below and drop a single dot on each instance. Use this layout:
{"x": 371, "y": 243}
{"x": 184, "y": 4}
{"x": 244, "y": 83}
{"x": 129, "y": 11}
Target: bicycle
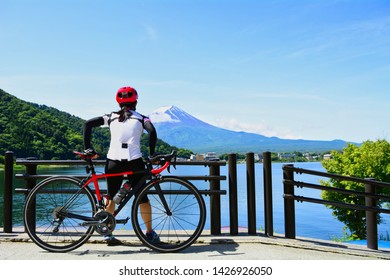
{"x": 62, "y": 212}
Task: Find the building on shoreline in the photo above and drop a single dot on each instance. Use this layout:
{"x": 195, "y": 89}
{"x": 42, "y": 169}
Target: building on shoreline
{"x": 209, "y": 156}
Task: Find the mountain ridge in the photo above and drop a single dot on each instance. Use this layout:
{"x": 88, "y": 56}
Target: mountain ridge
{"x": 179, "y": 128}
{"x": 32, "y": 130}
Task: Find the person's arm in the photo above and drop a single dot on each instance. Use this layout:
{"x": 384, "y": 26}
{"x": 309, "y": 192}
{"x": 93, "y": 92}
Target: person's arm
{"x": 87, "y": 130}
{"x": 149, "y": 127}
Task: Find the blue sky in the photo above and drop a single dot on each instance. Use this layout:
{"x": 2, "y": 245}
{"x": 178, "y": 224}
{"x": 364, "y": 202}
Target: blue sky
{"x": 291, "y": 69}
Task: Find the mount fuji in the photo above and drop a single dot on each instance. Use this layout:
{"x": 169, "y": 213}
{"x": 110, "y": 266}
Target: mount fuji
{"x": 180, "y": 129}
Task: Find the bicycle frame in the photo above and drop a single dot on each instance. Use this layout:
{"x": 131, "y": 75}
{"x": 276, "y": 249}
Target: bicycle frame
{"x": 94, "y": 178}
{"x": 71, "y": 210}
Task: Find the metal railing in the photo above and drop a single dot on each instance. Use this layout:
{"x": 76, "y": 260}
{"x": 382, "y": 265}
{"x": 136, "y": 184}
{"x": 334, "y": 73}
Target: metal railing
{"x": 371, "y": 197}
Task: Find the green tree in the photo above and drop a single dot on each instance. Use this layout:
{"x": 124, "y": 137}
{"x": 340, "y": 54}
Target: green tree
{"x": 370, "y": 160}
{"x": 32, "y": 130}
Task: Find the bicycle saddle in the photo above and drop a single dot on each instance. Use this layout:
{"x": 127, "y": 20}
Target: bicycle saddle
{"x": 86, "y": 156}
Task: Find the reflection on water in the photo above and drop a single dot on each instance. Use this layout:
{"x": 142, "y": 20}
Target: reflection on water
{"x": 312, "y": 220}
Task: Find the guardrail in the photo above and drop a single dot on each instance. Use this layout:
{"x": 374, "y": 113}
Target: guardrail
{"x": 30, "y": 176}
{"x": 214, "y": 178}
{"x": 370, "y": 195}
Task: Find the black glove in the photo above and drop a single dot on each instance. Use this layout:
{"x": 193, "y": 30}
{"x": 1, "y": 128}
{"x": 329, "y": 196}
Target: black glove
{"x": 153, "y": 160}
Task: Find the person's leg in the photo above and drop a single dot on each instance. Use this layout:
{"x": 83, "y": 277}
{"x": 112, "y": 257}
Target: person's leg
{"x": 110, "y": 207}
{"x": 113, "y": 185}
{"x": 146, "y": 213}
{"x": 145, "y": 206}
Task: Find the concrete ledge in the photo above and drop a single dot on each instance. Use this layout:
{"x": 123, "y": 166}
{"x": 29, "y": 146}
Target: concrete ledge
{"x": 280, "y": 241}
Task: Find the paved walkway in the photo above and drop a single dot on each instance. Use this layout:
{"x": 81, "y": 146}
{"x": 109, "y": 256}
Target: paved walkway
{"x": 17, "y": 246}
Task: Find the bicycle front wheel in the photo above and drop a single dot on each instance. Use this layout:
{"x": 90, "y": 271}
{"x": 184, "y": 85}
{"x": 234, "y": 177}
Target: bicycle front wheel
{"x": 176, "y": 212}
{"x": 46, "y": 214}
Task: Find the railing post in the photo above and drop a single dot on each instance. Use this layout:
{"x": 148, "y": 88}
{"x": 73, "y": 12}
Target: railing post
{"x": 268, "y": 211}
{"x": 8, "y": 190}
{"x": 250, "y": 177}
{"x": 371, "y": 218}
{"x": 233, "y": 204}
{"x": 31, "y": 169}
{"x": 289, "y": 204}
{"x": 215, "y": 202}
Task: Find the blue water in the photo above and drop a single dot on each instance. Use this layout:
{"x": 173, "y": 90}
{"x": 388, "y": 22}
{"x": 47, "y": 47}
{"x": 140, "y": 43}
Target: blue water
{"x": 381, "y": 243}
{"x": 312, "y": 220}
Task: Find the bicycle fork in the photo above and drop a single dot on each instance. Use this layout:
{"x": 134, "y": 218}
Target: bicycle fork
{"x": 162, "y": 198}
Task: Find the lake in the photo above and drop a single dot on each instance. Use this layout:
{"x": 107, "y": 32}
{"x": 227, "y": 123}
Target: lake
{"x": 312, "y": 220}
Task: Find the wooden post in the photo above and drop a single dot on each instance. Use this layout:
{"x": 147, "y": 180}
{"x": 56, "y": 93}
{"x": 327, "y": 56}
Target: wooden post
{"x": 289, "y": 204}
{"x": 8, "y": 190}
{"x": 233, "y": 204}
{"x": 371, "y": 219}
{"x": 268, "y": 211}
{"x": 251, "y": 197}
{"x": 31, "y": 169}
{"x": 215, "y": 202}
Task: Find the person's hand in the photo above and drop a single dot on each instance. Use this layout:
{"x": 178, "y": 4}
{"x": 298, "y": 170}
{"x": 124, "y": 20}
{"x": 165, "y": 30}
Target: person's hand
{"x": 152, "y": 159}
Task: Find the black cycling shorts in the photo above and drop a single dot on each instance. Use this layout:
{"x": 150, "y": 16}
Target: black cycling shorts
{"x": 117, "y": 166}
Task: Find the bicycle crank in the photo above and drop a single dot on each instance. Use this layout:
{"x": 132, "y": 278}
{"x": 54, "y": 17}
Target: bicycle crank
{"x": 106, "y": 222}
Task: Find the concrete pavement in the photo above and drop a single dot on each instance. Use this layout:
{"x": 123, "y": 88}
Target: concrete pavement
{"x": 17, "y": 246}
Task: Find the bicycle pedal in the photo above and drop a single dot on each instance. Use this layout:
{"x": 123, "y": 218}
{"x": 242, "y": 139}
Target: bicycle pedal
{"x": 122, "y": 221}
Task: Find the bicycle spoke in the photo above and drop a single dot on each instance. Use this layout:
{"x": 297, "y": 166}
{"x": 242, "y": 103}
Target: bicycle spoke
{"x": 51, "y": 201}
{"x": 177, "y": 228}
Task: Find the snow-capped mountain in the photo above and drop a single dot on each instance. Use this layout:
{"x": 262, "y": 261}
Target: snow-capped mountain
{"x": 172, "y": 114}
{"x": 180, "y": 129}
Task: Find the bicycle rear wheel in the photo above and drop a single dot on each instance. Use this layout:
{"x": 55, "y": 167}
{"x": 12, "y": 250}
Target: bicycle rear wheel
{"x": 45, "y": 214}
{"x": 178, "y": 229}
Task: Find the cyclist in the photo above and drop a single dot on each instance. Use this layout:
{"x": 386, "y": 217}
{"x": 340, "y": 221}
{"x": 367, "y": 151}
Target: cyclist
{"x": 124, "y": 154}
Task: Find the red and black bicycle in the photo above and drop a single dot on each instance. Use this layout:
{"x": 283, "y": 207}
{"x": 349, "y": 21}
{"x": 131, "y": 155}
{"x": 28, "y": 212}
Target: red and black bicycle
{"x": 62, "y": 212}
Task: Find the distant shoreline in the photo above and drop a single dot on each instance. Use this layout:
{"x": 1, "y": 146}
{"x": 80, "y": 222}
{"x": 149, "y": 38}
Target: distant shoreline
{"x": 21, "y": 167}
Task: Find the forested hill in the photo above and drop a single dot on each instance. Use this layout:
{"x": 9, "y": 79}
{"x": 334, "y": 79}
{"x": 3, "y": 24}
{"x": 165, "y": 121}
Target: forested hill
{"x": 32, "y": 130}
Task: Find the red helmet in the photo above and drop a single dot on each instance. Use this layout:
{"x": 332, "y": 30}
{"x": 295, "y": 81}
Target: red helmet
{"x": 126, "y": 95}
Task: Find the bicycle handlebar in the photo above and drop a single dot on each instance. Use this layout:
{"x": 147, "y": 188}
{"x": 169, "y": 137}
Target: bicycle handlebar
{"x": 165, "y": 161}
{"x": 164, "y": 157}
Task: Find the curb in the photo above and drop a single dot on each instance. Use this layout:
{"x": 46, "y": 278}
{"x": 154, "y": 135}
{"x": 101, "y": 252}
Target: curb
{"x": 326, "y": 246}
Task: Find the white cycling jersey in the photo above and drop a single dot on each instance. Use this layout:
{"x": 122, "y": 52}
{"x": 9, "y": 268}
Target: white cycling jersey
{"x": 125, "y": 141}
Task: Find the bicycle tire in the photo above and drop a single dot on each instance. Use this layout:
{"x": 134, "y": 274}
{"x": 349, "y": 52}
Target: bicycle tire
{"x": 178, "y": 230}
{"x": 41, "y": 219}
